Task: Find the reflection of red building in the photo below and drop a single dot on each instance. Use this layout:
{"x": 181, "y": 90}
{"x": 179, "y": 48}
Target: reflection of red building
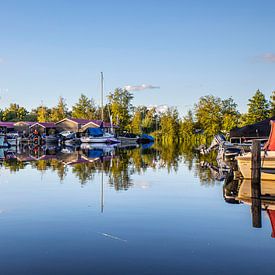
{"x": 271, "y": 214}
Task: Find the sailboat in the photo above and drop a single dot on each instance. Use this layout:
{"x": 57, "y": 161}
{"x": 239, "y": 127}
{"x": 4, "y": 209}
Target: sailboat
{"x": 267, "y": 159}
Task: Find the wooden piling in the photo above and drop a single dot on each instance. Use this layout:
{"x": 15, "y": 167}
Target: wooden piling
{"x": 256, "y": 184}
{"x": 256, "y": 169}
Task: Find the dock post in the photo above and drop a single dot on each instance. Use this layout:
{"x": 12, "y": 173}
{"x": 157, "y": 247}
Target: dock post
{"x": 256, "y": 184}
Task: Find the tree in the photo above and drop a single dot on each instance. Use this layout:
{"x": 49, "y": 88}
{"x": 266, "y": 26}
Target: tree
{"x": 187, "y": 125}
{"x": 85, "y": 108}
{"x": 169, "y": 123}
{"x": 43, "y": 113}
{"x": 230, "y": 114}
{"x": 136, "y": 122}
{"x": 60, "y": 111}
{"x": 121, "y": 107}
{"x": 208, "y": 113}
{"x": 272, "y": 104}
{"x": 258, "y": 108}
{"x": 14, "y": 113}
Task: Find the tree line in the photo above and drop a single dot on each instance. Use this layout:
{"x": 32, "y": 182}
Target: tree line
{"x": 208, "y": 116}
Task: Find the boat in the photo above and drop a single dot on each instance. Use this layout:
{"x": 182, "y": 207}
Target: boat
{"x": 144, "y": 138}
{"x": 69, "y": 138}
{"x": 267, "y": 159}
{"x": 96, "y": 135}
{"x": 13, "y": 139}
{"x": 128, "y": 138}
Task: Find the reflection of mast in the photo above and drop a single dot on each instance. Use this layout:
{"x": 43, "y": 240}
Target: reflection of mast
{"x": 102, "y": 190}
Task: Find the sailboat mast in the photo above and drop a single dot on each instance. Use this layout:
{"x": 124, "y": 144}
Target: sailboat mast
{"x": 101, "y": 86}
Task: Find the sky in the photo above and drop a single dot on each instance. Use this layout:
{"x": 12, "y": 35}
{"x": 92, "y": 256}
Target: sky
{"x": 166, "y": 52}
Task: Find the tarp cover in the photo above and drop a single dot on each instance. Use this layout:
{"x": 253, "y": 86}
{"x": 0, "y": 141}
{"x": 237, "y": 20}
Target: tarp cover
{"x": 95, "y": 153}
{"x": 259, "y": 129}
{"x": 270, "y": 145}
{"x": 95, "y": 132}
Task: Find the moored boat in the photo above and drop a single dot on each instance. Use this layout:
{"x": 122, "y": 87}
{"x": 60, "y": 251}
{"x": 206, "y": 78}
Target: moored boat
{"x": 128, "y": 138}
{"x": 96, "y": 135}
{"x": 267, "y": 159}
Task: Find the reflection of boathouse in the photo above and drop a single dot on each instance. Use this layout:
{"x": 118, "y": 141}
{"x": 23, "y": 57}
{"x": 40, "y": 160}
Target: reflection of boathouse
{"x": 6, "y": 127}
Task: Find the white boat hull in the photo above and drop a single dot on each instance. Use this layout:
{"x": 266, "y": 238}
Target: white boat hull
{"x": 267, "y": 165}
{"x": 98, "y": 140}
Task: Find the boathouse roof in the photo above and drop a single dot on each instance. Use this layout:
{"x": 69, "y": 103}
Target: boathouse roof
{"x": 260, "y": 129}
{"x": 44, "y": 124}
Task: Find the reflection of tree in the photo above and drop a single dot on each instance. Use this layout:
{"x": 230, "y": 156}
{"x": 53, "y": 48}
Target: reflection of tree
{"x": 84, "y": 171}
{"x": 123, "y": 163}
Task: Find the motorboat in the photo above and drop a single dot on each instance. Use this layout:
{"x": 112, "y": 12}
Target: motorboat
{"x": 267, "y": 159}
{"x": 69, "y": 138}
{"x": 96, "y": 135}
{"x": 128, "y": 138}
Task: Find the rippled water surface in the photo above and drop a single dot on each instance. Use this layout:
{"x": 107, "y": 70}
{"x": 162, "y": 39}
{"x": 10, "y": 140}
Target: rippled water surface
{"x": 156, "y": 210}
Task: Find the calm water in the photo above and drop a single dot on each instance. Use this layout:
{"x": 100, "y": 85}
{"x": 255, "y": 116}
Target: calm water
{"x": 156, "y": 210}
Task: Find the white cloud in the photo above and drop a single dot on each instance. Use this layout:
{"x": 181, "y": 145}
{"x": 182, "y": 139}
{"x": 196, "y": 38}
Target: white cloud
{"x": 140, "y": 87}
{"x": 268, "y": 57}
{"x": 159, "y": 108}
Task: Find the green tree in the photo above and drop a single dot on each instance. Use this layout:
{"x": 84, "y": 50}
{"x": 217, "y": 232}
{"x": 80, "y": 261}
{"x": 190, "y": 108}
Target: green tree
{"x": 208, "y": 113}
{"x": 14, "y": 113}
{"x": 169, "y": 124}
{"x": 60, "y": 111}
{"x": 258, "y": 108}
{"x": 43, "y": 113}
{"x": 150, "y": 121}
{"x": 136, "y": 122}
{"x": 85, "y": 108}
{"x": 272, "y": 104}
{"x": 230, "y": 114}
{"x": 121, "y": 107}
{"x": 187, "y": 126}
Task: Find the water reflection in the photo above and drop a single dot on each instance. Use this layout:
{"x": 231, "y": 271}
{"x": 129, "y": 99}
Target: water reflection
{"x": 119, "y": 163}
{"x": 178, "y": 211}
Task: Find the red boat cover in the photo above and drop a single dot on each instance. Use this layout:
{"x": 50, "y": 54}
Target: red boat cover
{"x": 271, "y": 214}
{"x": 270, "y": 145}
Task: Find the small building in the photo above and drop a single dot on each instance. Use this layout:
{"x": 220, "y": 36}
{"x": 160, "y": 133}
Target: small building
{"x": 71, "y": 124}
{"x": 78, "y": 125}
{"x": 259, "y": 130}
{"x": 6, "y": 127}
{"x": 48, "y": 128}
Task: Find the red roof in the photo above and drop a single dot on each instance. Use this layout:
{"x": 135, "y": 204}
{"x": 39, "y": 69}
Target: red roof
{"x": 7, "y": 124}
{"x": 80, "y": 120}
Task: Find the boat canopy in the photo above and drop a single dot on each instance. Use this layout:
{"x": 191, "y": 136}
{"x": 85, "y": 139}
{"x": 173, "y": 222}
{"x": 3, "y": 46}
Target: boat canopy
{"x": 270, "y": 145}
{"x": 95, "y": 153}
{"x": 95, "y": 132}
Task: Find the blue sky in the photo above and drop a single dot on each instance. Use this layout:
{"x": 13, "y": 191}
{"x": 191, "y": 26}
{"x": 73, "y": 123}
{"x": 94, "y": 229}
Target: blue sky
{"x": 187, "y": 48}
